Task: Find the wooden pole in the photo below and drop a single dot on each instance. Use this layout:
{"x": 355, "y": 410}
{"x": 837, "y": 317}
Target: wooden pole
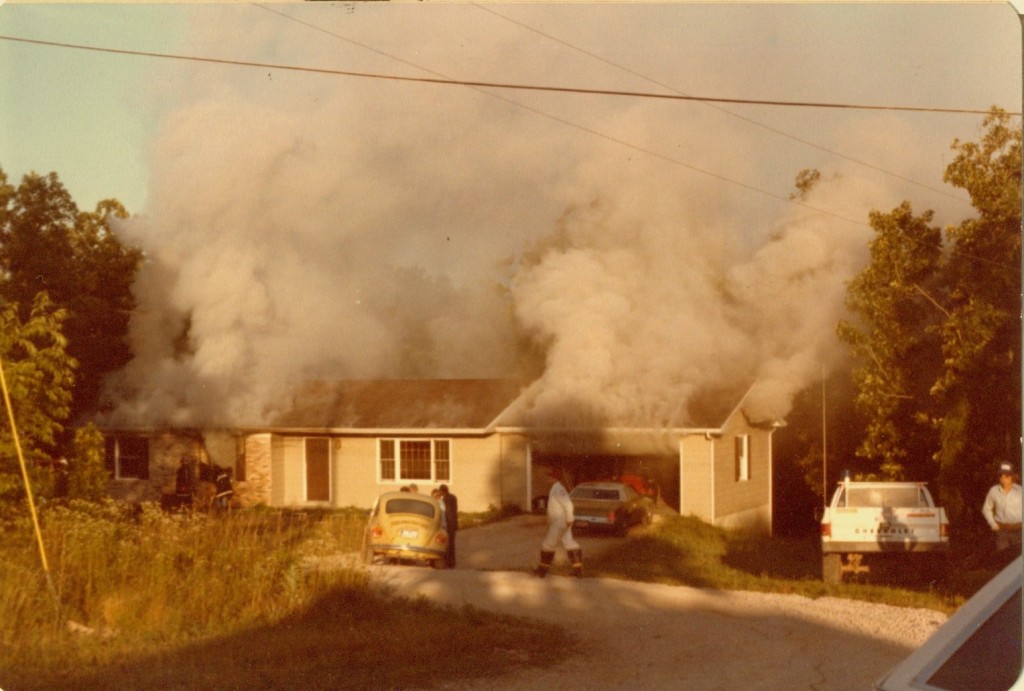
{"x": 28, "y": 486}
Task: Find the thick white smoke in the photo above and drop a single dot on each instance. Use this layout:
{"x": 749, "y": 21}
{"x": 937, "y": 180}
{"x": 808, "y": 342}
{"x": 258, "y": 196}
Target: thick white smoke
{"x": 300, "y": 230}
{"x": 644, "y": 310}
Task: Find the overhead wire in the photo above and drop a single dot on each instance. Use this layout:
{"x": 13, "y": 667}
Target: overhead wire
{"x": 486, "y": 87}
{"x": 490, "y": 85}
{"x": 712, "y": 104}
{"x": 787, "y": 199}
{"x": 753, "y": 122}
{"x": 569, "y": 123}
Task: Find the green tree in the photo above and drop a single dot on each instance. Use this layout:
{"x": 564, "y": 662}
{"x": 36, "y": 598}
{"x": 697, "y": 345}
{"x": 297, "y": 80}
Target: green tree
{"x": 937, "y": 339}
{"x": 47, "y": 244}
{"x": 893, "y": 343}
{"x": 979, "y": 385}
{"x": 39, "y": 374}
{"x": 89, "y": 476}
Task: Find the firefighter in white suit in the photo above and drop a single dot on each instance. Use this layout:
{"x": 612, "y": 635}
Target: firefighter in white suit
{"x": 560, "y": 519}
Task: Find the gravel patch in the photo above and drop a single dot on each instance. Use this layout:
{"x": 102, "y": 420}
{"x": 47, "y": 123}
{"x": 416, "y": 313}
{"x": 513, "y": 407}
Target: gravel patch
{"x": 654, "y": 636}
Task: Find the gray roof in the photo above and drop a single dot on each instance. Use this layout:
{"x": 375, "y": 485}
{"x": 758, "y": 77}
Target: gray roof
{"x": 456, "y": 404}
{"x": 470, "y": 404}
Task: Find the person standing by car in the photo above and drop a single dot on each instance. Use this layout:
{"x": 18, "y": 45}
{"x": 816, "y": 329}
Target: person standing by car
{"x": 1002, "y": 510}
{"x": 451, "y": 523}
{"x": 560, "y": 519}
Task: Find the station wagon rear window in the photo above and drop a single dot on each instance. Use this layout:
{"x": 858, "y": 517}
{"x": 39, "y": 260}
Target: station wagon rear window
{"x": 592, "y": 493}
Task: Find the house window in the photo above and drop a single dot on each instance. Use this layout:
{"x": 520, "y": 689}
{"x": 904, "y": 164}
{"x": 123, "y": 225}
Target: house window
{"x": 127, "y": 457}
{"x": 387, "y": 459}
{"x": 318, "y": 469}
{"x": 442, "y": 460}
{"x": 742, "y": 457}
{"x": 414, "y": 459}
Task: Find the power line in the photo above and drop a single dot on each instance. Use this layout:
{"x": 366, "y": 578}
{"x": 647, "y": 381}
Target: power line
{"x": 493, "y": 85}
{"x": 476, "y": 85}
{"x": 588, "y": 130}
{"x": 523, "y": 87}
{"x": 774, "y": 130}
{"x": 621, "y": 142}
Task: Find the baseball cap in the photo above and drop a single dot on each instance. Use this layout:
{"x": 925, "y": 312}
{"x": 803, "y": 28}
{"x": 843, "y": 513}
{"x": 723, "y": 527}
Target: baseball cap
{"x": 1005, "y": 468}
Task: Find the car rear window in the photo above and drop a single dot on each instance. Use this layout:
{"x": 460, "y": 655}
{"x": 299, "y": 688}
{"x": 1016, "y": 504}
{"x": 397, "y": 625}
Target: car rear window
{"x": 883, "y": 496}
{"x": 594, "y": 493}
{"x": 403, "y": 505}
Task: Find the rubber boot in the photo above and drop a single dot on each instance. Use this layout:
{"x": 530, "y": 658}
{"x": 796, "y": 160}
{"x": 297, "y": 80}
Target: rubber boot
{"x": 545, "y": 563}
{"x": 576, "y": 557}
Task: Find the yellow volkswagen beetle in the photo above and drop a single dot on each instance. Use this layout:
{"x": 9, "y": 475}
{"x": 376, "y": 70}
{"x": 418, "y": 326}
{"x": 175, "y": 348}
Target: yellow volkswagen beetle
{"x": 405, "y": 526}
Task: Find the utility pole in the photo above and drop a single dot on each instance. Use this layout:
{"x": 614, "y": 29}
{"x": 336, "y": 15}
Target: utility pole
{"x": 824, "y": 442}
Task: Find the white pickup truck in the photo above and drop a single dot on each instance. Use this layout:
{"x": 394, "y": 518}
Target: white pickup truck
{"x": 883, "y": 518}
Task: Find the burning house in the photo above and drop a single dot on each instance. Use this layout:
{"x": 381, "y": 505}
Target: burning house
{"x": 342, "y": 443}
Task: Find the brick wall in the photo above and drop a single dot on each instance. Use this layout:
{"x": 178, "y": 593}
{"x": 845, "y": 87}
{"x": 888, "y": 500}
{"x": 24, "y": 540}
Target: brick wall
{"x": 256, "y": 488}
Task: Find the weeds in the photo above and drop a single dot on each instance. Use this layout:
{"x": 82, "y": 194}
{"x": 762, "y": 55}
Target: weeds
{"x": 149, "y": 599}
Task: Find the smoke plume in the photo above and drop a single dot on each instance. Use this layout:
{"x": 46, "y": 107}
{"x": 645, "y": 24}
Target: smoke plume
{"x": 299, "y": 230}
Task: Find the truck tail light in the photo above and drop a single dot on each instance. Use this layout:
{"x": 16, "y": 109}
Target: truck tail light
{"x": 441, "y": 539}
{"x": 611, "y": 516}
{"x": 377, "y": 531}
{"x": 826, "y": 530}
{"x": 944, "y": 530}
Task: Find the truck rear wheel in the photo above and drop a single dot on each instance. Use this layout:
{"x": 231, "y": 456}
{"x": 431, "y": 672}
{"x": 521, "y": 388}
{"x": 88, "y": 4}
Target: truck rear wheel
{"x": 832, "y": 568}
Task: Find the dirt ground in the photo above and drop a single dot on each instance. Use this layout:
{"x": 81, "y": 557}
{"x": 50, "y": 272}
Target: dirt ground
{"x": 649, "y": 636}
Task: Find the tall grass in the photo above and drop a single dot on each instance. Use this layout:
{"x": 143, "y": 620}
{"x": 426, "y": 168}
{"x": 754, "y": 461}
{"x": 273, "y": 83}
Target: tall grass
{"x": 149, "y": 576}
{"x": 142, "y": 598}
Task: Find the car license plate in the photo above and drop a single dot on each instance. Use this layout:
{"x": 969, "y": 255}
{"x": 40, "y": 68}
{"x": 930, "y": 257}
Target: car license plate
{"x": 410, "y": 533}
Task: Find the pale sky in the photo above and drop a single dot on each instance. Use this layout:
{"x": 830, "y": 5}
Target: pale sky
{"x": 319, "y": 225}
{"x": 91, "y": 117}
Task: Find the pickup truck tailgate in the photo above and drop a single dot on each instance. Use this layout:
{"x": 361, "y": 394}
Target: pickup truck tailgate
{"x": 895, "y": 528}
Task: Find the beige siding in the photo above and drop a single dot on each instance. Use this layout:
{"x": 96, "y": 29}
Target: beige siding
{"x": 485, "y": 471}
{"x": 742, "y": 503}
{"x": 695, "y": 477}
{"x": 287, "y": 474}
{"x": 355, "y": 476}
{"x": 476, "y": 473}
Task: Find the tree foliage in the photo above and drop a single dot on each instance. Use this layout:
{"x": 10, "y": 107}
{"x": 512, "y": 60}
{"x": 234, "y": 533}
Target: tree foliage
{"x": 65, "y": 300}
{"x": 89, "y": 476}
{"x": 937, "y": 339}
{"x": 48, "y": 245}
{"x": 897, "y": 352}
{"x": 39, "y": 374}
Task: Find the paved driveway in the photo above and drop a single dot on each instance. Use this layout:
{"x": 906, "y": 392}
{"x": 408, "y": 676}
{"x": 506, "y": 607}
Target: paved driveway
{"x": 514, "y": 545}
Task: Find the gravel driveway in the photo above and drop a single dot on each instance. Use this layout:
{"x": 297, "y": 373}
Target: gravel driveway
{"x": 650, "y": 636}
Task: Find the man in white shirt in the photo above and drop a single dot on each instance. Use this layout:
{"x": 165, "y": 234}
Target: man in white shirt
{"x": 1002, "y": 509}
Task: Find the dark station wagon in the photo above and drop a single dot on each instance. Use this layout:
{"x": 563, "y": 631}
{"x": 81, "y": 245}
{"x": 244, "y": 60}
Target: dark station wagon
{"x": 612, "y": 506}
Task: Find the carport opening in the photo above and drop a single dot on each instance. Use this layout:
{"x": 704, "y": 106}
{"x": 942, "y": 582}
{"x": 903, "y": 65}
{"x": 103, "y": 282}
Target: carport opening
{"x": 648, "y": 473}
